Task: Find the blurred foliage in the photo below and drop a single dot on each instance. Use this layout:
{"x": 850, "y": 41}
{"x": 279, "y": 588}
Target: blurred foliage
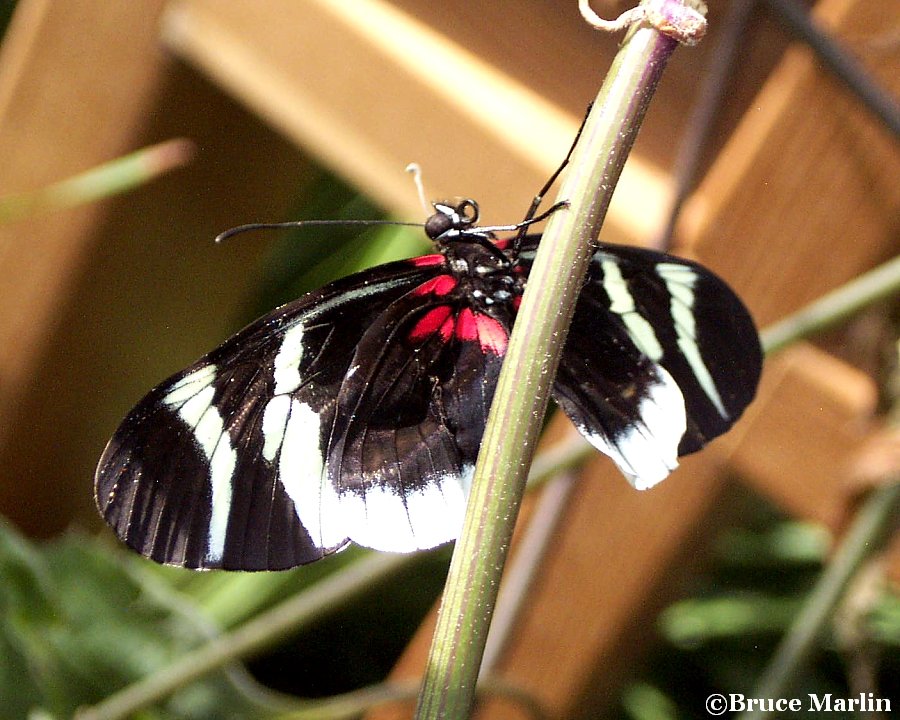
{"x": 117, "y": 176}
{"x": 306, "y": 258}
{"x": 722, "y": 634}
{"x": 77, "y": 623}
{"x": 80, "y": 619}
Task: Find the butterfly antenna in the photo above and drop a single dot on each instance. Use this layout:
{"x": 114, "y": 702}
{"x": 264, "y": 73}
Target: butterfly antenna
{"x": 416, "y": 172}
{"x": 252, "y": 227}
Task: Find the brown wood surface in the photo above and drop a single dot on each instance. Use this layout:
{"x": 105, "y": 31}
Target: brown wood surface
{"x": 84, "y": 292}
{"x": 367, "y": 89}
{"x": 811, "y": 419}
{"x": 805, "y": 195}
{"x": 56, "y": 119}
{"x": 803, "y": 198}
{"x": 51, "y": 124}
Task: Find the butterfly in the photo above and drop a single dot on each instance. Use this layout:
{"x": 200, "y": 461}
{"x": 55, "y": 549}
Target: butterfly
{"x": 356, "y": 412}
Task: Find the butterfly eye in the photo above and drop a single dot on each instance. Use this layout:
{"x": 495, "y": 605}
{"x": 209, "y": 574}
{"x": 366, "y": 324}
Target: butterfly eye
{"x": 439, "y": 223}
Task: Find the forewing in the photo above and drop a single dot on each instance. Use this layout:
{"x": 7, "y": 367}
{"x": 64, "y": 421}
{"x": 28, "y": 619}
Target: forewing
{"x": 661, "y": 358}
{"x": 223, "y": 465}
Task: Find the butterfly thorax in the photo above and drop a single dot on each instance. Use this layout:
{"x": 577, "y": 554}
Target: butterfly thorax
{"x": 485, "y": 277}
{"x": 484, "y": 271}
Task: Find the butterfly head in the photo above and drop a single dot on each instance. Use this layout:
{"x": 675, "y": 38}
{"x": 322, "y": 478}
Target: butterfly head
{"x": 452, "y": 221}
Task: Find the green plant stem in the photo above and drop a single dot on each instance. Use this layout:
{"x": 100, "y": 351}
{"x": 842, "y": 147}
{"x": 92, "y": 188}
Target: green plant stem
{"x": 524, "y": 384}
{"x": 351, "y": 705}
{"x": 876, "y": 515}
{"x": 835, "y": 306}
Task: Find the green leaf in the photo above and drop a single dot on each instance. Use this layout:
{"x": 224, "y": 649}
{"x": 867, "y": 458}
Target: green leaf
{"x": 78, "y": 622}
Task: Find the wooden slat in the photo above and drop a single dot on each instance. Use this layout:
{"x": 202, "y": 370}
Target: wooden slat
{"x": 38, "y": 257}
{"x": 805, "y": 195}
{"x": 610, "y": 569}
{"x": 803, "y": 198}
{"x": 52, "y": 110}
{"x": 809, "y": 423}
{"x": 367, "y": 89}
{"x": 84, "y": 293}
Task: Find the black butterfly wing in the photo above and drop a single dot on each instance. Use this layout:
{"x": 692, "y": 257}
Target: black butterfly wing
{"x": 411, "y": 415}
{"x": 225, "y": 464}
{"x": 661, "y": 358}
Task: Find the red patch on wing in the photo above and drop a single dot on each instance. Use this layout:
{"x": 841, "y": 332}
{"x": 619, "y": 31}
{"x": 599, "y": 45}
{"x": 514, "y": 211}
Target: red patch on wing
{"x": 446, "y": 329}
{"x": 489, "y": 333}
{"x": 435, "y": 320}
{"x": 440, "y": 285}
{"x": 426, "y": 260}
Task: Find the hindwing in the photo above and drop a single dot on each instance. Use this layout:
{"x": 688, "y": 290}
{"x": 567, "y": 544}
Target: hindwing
{"x": 410, "y": 416}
